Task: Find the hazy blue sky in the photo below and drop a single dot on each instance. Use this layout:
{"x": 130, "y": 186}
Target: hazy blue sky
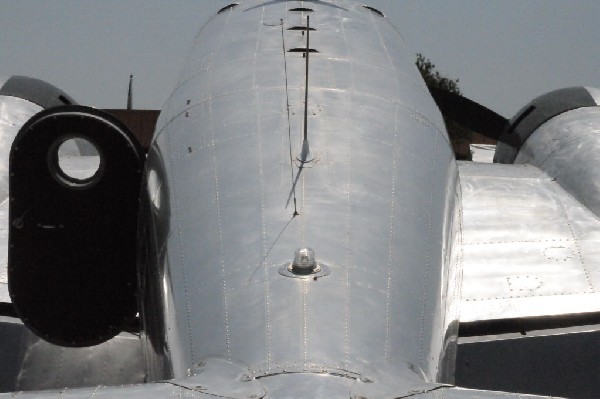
{"x": 504, "y": 52}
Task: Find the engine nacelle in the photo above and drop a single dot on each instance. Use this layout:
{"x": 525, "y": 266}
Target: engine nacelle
{"x": 73, "y": 220}
{"x": 559, "y": 133}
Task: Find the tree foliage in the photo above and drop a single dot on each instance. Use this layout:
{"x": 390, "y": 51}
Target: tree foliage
{"x": 433, "y": 78}
{"x": 459, "y": 135}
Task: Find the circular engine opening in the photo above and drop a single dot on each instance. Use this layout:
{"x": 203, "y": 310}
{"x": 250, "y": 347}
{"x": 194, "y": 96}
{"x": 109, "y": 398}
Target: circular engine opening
{"x": 75, "y": 161}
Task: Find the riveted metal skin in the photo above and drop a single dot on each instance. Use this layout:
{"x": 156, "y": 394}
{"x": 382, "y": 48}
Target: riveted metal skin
{"x": 222, "y": 378}
{"x": 31, "y": 364}
{"x": 72, "y": 254}
{"x": 283, "y": 386}
{"x": 529, "y": 246}
{"x": 536, "y": 113}
{"x": 567, "y": 149}
{"x": 379, "y": 204}
{"x": 14, "y": 112}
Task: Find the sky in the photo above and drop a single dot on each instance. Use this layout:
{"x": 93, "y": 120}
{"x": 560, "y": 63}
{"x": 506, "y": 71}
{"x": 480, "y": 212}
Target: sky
{"x": 504, "y": 53}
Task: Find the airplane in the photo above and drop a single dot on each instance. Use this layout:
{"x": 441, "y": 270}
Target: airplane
{"x": 299, "y": 226}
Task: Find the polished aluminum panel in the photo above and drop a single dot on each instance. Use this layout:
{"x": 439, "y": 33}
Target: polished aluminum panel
{"x": 567, "y": 148}
{"x": 283, "y": 387}
{"x": 378, "y": 205}
{"x": 30, "y": 363}
{"x": 139, "y": 391}
{"x": 14, "y": 112}
{"x": 530, "y": 248}
{"x": 482, "y": 152}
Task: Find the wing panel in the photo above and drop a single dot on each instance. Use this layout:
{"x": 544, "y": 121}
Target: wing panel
{"x": 530, "y": 248}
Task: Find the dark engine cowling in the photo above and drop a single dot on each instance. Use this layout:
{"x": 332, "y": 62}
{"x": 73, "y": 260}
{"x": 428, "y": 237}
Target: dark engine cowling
{"x": 72, "y": 233}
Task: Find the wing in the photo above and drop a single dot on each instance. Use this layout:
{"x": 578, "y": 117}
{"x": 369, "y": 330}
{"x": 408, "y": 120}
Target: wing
{"x": 530, "y": 247}
{"x": 531, "y": 264}
{"x": 381, "y": 202}
{"x": 531, "y": 224}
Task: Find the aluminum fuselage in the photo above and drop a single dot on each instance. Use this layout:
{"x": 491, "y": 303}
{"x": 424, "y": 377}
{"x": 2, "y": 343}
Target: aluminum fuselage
{"x": 378, "y": 204}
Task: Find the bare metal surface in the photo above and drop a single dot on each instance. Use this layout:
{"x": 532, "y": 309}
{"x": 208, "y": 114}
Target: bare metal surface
{"x": 567, "y": 148}
{"x": 307, "y": 385}
{"x": 530, "y": 248}
{"x": 382, "y": 380}
{"x": 482, "y": 152}
{"x": 29, "y": 363}
{"x": 139, "y": 391}
{"x": 14, "y": 112}
{"x": 222, "y": 378}
{"x": 287, "y": 386}
{"x": 376, "y": 205}
{"x": 381, "y": 204}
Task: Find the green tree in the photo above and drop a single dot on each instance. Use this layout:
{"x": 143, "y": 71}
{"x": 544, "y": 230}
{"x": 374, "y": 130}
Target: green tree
{"x": 459, "y": 135}
{"x": 433, "y": 78}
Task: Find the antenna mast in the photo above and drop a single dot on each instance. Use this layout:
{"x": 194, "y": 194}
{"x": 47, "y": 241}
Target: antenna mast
{"x": 306, "y": 83}
{"x": 305, "y": 155}
{"x": 130, "y": 93}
